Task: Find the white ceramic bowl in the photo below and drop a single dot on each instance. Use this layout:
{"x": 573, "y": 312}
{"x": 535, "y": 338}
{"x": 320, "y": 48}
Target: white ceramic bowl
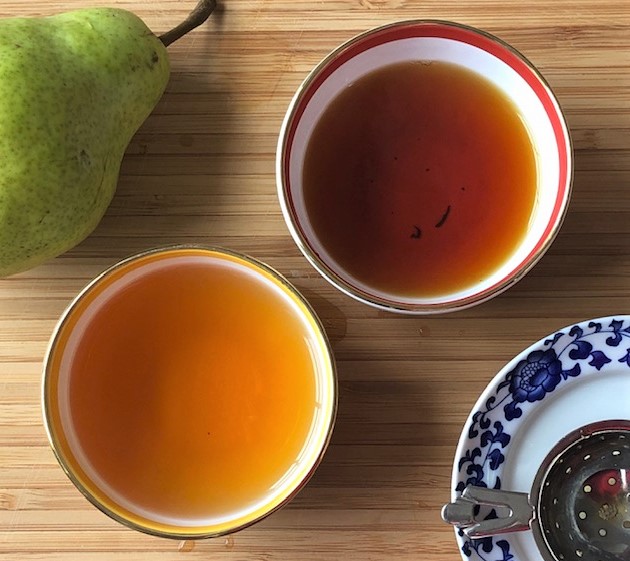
{"x": 430, "y": 41}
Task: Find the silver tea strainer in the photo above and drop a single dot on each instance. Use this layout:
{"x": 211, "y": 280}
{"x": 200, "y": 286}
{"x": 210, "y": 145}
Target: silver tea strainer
{"x": 579, "y": 506}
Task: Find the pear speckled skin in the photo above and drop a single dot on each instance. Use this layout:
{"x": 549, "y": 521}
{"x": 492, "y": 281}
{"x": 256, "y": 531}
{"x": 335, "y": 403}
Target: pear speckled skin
{"x": 74, "y": 88}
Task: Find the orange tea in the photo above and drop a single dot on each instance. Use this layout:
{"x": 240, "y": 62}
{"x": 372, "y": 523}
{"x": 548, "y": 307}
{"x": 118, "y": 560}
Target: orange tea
{"x": 189, "y": 388}
{"x": 420, "y": 179}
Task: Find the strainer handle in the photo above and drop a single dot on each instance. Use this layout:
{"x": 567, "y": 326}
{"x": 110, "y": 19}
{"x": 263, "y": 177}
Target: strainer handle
{"x": 461, "y": 512}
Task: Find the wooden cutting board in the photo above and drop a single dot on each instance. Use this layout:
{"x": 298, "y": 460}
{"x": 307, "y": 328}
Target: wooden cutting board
{"x": 201, "y": 169}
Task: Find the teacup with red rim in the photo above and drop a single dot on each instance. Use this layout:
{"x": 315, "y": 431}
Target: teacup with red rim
{"x": 424, "y": 167}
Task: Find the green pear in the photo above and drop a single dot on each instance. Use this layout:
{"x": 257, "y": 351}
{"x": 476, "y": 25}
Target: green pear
{"x": 74, "y": 88}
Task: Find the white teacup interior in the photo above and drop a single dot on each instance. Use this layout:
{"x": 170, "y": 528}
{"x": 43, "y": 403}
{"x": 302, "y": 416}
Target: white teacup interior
{"x": 426, "y": 49}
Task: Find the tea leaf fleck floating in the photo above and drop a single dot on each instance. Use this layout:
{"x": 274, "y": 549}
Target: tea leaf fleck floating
{"x": 444, "y": 217}
{"x": 417, "y": 233}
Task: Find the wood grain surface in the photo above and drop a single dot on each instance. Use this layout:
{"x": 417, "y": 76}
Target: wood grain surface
{"x": 201, "y": 169}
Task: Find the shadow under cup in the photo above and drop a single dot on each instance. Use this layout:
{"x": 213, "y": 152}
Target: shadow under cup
{"x": 189, "y": 392}
{"x": 427, "y": 42}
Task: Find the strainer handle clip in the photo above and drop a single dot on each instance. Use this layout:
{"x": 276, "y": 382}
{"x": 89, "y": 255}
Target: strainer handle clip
{"x": 463, "y": 511}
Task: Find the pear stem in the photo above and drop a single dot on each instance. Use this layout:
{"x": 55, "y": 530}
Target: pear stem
{"x": 200, "y": 13}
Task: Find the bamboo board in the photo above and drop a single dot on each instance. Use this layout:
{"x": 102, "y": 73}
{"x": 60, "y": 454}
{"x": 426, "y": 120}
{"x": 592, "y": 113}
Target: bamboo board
{"x": 201, "y": 169}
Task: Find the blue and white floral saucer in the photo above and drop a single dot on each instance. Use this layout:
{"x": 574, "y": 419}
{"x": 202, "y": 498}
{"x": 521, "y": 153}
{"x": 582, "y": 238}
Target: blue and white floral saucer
{"x": 574, "y": 377}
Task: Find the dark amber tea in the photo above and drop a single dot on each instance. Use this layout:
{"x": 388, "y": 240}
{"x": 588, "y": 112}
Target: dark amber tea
{"x": 420, "y": 179}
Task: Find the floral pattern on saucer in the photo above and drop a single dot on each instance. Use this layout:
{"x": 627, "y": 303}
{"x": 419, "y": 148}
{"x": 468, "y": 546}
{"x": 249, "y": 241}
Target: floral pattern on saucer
{"x": 580, "y": 350}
